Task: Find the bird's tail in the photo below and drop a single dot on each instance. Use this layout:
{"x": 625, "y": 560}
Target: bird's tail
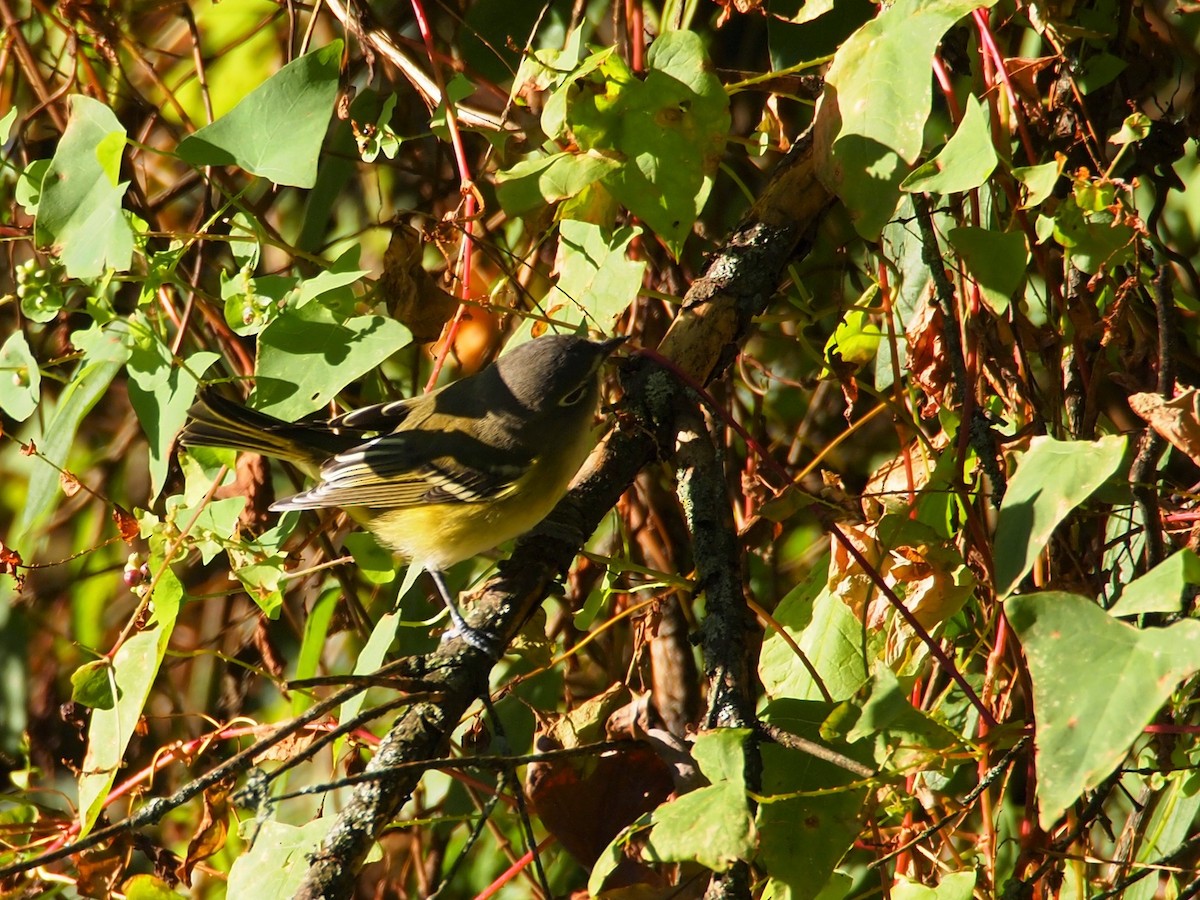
{"x": 217, "y": 421}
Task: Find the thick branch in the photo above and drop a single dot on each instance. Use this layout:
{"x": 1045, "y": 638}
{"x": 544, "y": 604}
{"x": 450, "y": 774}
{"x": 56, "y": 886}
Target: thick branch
{"x": 728, "y": 624}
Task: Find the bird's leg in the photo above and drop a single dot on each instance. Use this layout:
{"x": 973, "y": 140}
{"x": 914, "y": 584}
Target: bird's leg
{"x": 483, "y": 641}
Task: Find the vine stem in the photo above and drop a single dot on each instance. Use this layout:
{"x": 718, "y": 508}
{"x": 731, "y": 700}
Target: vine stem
{"x": 470, "y": 204}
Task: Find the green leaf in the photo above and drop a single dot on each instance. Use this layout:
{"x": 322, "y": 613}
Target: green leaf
{"x": 160, "y": 393}
{"x": 905, "y": 738}
{"x": 964, "y": 163}
{"x": 995, "y": 259}
{"x": 375, "y": 651}
{"x": 670, "y": 130}
{"x": 1160, "y": 589}
{"x": 533, "y": 183}
{"x": 147, "y": 887}
{"x": 374, "y": 562}
{"x": 1086, "y": 725}
{"x": 6, "y": 123}
{"x": 721, "y": 754}
{"x": 277, "y": 129}
{"x": 1136, "y": 127}
{"x": 1093, "y": 241}
{"x": 830, "y": 636}
{"x": 134, "y": 668}
{"x": 1052, "y": 478}
{"x": 954, "y": 886}
{"x": 15, "y": 679}
{"x": 595, "y": 275}
{"x": 20, "y": 378}
{"x": 276, "y": 863}
{"x": 1170, "y": 821}
{"x": 711, "y": 825}
{"x": 1098, "y": 70}
{"x": 881, "y": 72}
{"x": 857, "y": 336}
{"x": 105, "y": 352}
{"x": 867, "y": 176}
{"x": 212, "y": 522}
{"x": 342, "y": 273}
{"x": 803, "y": 838}
{"x": 92, "y": 684}
{"x": 251, "y": 304}
{"x": 305, "y": 357}
{"x": 28, "y": 192}
{"x": 316, "y": 631}
{"x": 1038, "y": 181}
{"x": 79, "y": 211}
{"x": 262, "y": 579}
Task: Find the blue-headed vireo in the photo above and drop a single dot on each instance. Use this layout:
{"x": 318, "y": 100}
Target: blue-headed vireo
{"x": 446, "y": 475}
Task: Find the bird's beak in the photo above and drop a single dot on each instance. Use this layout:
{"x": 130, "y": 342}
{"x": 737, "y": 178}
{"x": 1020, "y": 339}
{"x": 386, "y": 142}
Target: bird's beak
{"x": 609, "y": 346}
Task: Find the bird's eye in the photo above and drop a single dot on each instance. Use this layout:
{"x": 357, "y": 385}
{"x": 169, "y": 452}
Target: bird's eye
{"x": 575, "y": 396}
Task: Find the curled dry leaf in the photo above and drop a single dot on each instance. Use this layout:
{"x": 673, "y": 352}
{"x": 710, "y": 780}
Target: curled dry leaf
{"x": 927, "y": 575}
{"x": 127, "y": 525}
{"x": 210, "y": 831}
{"x": 69, "y": 483}
{"x": 412, "y": 295}
{"x": 893, "y": 485}
{"x": 1177, "y": 419}
{"x": 927, "y": 358}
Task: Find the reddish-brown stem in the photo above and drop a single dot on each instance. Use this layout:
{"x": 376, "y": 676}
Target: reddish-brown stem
{"x": 469, "y": 208}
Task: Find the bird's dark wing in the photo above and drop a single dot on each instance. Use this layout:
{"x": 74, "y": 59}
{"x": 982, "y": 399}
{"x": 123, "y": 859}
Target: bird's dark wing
{"x": 413, "y": 467}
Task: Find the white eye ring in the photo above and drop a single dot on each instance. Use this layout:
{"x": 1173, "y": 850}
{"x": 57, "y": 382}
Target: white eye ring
{"x": 575, "y": 396}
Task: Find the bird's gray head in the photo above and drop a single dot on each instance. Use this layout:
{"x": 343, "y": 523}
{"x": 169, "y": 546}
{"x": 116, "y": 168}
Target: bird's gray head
{"x": 555, "y": 372}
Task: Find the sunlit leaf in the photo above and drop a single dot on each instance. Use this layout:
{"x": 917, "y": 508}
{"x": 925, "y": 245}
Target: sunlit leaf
{"x": 882, "y": 72}
{"x": 79, "y": 211}
{"x": 20, "y": 378}
{"x": 964, "y": 163}
{"x": 1086, "y": 725}
{"x": 1161, "y": 589}
{"x": 134, "y": 667}
{"x": 277, "y": 129}
{"x": 1052, "y": 478}
{"x": 306, "y": 356}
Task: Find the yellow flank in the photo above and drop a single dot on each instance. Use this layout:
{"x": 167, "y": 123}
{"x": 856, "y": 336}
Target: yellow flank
{"x": 439, "y": 535}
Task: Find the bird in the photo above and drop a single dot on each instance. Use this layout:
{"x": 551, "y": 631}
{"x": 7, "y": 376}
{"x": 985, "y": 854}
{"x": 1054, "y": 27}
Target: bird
{"x": 446, "y": 475}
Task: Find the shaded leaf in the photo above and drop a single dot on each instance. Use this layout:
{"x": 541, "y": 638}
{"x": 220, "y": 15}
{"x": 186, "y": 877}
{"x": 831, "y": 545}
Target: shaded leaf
{"x": 995, "y": 259}
{"x": 802, "y": 839}
{"x": 91, "y": 684}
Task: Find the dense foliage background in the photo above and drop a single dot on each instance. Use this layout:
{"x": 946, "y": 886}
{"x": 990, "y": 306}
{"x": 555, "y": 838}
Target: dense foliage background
{"x": 958, "y": 449}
